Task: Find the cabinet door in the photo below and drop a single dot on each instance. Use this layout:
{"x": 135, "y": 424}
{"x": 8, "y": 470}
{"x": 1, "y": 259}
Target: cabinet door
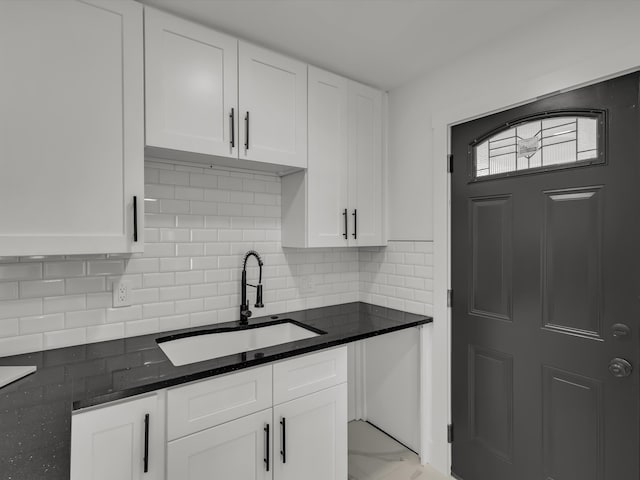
{"x": 71, "y": 127}
{"x": 109, "y": 443}
{"x": 313, "y": 439}
{"x": 235, "y": 450}
{"x": 327, "y": 171}
{"x": 273, "y": 107}
{"x": 365, "y": 166}
{"x": 191, "y": 86}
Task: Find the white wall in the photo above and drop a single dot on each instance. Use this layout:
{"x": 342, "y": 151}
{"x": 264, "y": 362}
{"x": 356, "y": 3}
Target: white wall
{"x": 585, "y": 42}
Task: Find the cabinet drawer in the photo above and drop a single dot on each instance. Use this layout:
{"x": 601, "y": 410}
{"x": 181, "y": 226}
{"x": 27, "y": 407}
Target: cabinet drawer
{"x": 204, "y": 404}
{"x": 309, "y": 373}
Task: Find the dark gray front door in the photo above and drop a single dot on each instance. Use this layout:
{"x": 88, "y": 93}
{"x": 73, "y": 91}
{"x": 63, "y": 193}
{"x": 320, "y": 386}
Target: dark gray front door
{"x": 546, "y": 290}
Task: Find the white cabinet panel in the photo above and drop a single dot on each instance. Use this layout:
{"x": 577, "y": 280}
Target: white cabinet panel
{"x": 365, "y": 165}
{"x": 191, "y": 85}
{"x": 311, "y": 432}
{"x": 109, "y": 443}
{"x": 273, "y": 107}
{"x": 236, "y": 450}
{"x": 211, "y": 402}
{"x": 309, "y": 373}
{"x": 71, "y": 127}
{"x": 339, "y": 200}
{"x": 328, "y": 163}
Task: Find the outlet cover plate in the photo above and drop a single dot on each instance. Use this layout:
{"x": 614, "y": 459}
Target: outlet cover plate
{"x": 121, "y": 294}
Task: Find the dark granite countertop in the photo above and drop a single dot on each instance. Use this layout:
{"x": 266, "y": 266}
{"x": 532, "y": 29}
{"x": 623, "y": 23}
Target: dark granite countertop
{"x": 35, "y": 412}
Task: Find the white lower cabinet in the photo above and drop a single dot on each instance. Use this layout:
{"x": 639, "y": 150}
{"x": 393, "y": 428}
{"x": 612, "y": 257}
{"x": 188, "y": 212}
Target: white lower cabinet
{"x": 301, "y": 435}
{"x": 286, "y": 421}
{"x": 311, "y": 436}
{"x": 235, "y": 450}
{"x": 124, "y": 441}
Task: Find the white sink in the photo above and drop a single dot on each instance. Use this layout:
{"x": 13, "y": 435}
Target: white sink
{"x": 198, "y": 347}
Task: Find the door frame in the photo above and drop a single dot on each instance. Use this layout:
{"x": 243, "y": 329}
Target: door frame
{"x": 434, "y": 448}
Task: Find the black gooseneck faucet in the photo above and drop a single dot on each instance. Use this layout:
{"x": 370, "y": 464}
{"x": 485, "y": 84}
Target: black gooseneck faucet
{"x": 245, "y": 313}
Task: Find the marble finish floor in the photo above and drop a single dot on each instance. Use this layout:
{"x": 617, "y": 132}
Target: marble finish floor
{"x": 376, "y": 456}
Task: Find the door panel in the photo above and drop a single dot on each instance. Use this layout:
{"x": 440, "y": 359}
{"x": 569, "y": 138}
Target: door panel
{"x": 327, "y": 174}
{"x": 273, "y": 90}
{"x": 108, "y": 442}
{"x": 234, "y": 450}
{"x": 314, "y": 427}
{"x": 571, "y": 256}
{"x": 544, "y": 264}
{"x": 365, "y": 165}
{"x": 491, "y": 232}
{"x": 71, "y": 129}
{"x": 191, "y": 86}
{"x": 491, "y": 400}
{"x": 573, "y": 420}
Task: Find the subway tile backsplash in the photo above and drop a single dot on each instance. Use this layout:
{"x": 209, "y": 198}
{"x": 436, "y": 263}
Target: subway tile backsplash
{"x": 398, "y": 276}
{"x": 199, "y": 222}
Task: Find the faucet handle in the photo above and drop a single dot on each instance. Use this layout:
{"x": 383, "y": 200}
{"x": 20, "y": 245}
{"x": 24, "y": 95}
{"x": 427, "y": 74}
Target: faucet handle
{"x": 246, "y": 313}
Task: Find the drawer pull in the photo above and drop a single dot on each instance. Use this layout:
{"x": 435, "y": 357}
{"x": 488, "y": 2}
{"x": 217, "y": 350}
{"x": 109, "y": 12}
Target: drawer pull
{"x": 232, "y": 117}
{"x": 283, "y": 452}
{"x": 346, "y": 226}
{"x": 146, "y": 443}
{"x": 246, "y": 131}
{"x": 266, "y": 458}
{"x": 135, "y": 218}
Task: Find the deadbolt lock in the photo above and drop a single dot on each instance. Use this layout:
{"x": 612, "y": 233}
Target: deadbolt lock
{"x": 620, "y": 330}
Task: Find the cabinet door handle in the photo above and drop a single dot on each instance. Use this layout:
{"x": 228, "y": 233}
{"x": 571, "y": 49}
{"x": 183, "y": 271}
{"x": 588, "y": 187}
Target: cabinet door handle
{"x": 266, "y": 458}
{"x": 346, "y": 225}
{"x": 135, "y": 218}
{"x": 232, "y": 116}
{"x": 246, "y": 131}
{"x": 283, "y": 452}
{"x": 146, "y": 443}
{"x": 355, "y": 223}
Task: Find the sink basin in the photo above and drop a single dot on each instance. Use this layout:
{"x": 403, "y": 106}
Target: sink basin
{"x": 192, "y": 347}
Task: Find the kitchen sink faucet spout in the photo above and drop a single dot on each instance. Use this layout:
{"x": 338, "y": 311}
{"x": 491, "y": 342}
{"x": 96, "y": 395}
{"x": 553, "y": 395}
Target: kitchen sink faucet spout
{"x": 245, "y": 313}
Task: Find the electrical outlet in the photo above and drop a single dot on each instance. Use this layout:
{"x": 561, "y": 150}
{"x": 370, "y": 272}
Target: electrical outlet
{"x": 121, "y": 293}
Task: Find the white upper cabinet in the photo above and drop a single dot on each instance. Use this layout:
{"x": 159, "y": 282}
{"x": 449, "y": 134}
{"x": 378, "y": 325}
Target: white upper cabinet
{"x": 273, "y": 106}
{"x": 365, "y": 165}
{"x": 191, "y": 86}
{"x": 338, "y": 201}
{"x": 210, "y": 98}
{"x": 71, "y": 127}
{"x": 328, "y": 160}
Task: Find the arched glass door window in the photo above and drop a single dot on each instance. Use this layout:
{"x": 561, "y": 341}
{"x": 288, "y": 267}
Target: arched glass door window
{"x": 548, "y": 141}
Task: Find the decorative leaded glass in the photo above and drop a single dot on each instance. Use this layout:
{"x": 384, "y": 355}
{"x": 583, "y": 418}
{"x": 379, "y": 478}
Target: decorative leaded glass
{"x": 543, "y": 142}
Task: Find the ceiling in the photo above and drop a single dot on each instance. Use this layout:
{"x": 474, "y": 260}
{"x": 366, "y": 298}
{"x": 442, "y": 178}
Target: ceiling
{"x": 384, "y": 43}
